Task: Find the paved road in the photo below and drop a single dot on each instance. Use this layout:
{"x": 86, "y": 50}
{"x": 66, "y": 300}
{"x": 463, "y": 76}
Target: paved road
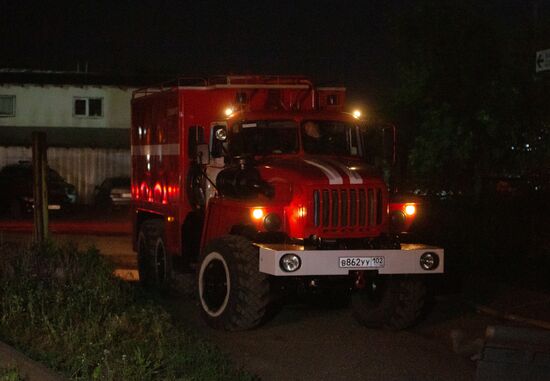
{"x": 304, "y": 343}
{"x": 307, "y": 343}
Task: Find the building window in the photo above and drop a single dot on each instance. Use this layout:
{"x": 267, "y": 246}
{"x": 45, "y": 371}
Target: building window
{"x": 88, "y": 107}
{"x": 7, "y": 105}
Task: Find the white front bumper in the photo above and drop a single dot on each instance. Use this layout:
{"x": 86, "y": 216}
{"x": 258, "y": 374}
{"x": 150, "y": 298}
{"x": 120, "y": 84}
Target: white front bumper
{"x": 325, "y": 262}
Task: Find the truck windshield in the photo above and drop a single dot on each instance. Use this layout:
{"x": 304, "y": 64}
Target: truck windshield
{"x": 325, "y": 137}
{"x": 264, "y": 137}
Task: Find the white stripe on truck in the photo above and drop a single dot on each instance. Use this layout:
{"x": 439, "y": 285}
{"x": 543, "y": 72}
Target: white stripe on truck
{"x": 354, "y": 177}
{"x": 156, "y": 150}
{"x": 331, "y": 173}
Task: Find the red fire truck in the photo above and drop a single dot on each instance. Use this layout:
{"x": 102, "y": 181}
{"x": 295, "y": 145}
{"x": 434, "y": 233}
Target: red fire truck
{"x": 262, "y": 183}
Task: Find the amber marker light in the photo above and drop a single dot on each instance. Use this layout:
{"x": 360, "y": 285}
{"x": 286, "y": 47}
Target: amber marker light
{"x": 228, "y": 111}
{"x": 356, "y": 114}
{"x": 410, "y": 210}
{"x": 170, "y": 219}
{"x": 257, "y": 213}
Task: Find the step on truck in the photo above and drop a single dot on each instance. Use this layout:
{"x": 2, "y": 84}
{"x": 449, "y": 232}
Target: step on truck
{"x": 264, "y": 184}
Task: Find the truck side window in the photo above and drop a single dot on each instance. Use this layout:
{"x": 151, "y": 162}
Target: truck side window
{"x": 196, "y": 137}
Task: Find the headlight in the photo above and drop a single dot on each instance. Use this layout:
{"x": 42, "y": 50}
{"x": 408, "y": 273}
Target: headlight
{"x": 290, "y": 263}
{"x": 429, "y": 261}
{"x": 272, "y": 222}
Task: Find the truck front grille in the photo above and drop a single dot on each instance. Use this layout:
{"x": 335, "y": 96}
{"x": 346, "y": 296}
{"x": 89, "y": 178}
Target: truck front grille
{"x": 336, "y": 208}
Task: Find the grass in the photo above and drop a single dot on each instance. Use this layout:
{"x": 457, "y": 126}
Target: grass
{"x": 64, "y": 308}
{"x": 10, "y": 374}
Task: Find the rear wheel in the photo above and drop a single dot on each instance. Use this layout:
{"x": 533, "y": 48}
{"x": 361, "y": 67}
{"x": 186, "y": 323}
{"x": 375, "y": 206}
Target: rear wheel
{"x": 233, "y": 293}
{"x": 394, "y": 302}
{"x": 154, "y": 263}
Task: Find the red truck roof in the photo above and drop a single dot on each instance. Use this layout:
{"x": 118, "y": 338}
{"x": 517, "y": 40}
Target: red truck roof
{"x": 259, "y": 92}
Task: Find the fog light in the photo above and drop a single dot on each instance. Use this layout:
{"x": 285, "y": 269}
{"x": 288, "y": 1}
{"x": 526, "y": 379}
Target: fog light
{"x": 272, "y": 222}
{"x": 290, "y": 263}
{"x": 429, "y": 261}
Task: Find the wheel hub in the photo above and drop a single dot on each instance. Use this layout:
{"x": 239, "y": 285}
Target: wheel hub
{"x": 214, "y": 285}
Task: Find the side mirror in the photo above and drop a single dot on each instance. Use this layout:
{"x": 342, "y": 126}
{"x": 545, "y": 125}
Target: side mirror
{"x": 220, "y": 133}
{"x": 219, "y": 137}
{"x": 203, "y": 154}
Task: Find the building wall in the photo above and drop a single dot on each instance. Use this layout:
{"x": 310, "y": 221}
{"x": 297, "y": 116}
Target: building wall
{"x": 52, "y": 106}
{"x": 80, "y": 152}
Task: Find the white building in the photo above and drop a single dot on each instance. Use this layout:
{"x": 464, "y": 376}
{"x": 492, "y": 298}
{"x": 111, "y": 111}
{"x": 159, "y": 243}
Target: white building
{"x": 86, "y": 118}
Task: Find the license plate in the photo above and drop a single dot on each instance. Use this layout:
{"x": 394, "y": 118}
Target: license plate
{"x": 361, "y": 262}
{"x": 54, "y": 207}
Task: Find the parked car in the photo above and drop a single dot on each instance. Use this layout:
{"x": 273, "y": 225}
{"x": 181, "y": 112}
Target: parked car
{"x": 113, "y": 192}
{"x": 16, "y": 185}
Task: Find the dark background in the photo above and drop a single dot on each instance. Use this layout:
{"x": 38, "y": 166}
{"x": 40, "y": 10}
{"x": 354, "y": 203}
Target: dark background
{"x": 458, "y": 78}
{"x": 332, "y": 41}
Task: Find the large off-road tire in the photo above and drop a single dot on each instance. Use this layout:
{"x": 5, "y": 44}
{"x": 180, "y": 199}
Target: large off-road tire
{"x": 233, "y": 293}
{"x": 154, "y": 263}
{"x": 394, "y": 302}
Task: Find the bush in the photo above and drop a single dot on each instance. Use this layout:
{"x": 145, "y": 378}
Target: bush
{"x": 64, "y": 307}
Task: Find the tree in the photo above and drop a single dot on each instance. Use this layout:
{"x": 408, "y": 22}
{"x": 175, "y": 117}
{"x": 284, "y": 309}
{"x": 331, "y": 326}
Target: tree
{"x": 464, "y": 95}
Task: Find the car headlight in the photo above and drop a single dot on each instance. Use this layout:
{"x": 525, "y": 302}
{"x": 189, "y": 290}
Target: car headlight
{"x": 290, "y": 262}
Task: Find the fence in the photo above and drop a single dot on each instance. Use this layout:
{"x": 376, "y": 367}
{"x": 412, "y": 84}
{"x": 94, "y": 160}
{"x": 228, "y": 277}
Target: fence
{"x": 83, "y": 167}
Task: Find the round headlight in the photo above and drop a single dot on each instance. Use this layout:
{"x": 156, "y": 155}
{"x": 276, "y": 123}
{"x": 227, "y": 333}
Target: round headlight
{"x": 429, "y": 261}
{"x": 272, "y": 222}
{"x": 290, "y": 262}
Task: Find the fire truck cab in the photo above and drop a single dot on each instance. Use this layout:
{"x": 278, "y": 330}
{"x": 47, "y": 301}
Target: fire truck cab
{"x": 258, "y": 182}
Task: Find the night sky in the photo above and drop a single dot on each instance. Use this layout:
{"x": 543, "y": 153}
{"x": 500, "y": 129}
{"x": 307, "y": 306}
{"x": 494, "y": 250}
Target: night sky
{"x": 334, "y": 42}
{"x": 338, "y": 42}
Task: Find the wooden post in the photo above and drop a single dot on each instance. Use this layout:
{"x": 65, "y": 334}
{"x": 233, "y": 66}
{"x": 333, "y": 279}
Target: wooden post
{"x": 40, "y": 189}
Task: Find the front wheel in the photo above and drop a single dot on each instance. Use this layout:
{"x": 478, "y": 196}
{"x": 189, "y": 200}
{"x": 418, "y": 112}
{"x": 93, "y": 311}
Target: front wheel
{"x": 394, "y": 302}
{"x": 233, "y": 293}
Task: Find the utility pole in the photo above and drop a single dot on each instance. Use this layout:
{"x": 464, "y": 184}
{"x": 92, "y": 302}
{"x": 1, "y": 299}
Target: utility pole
{"x": 40, "y": 189}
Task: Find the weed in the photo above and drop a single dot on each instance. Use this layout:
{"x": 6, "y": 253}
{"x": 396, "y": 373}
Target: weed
{"x": 64, "y": 308}
{"x": 10, "y": 374}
